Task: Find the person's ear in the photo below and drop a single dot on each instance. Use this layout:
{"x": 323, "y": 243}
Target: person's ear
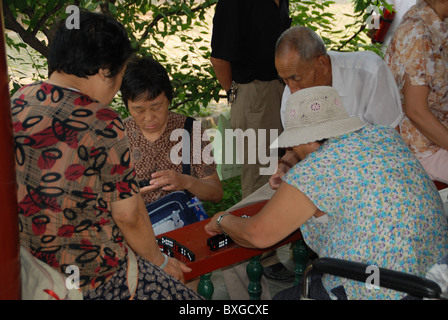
{"x": 104, "y": 74}
{"x": 322, "y": 65}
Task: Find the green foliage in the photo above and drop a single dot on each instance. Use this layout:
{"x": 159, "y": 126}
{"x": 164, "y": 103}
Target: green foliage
{"x": 232, "y": 195}
{"x": 178, "y": 27}
{"x": 352, "y": 36}
{"x": 33, "y": 63}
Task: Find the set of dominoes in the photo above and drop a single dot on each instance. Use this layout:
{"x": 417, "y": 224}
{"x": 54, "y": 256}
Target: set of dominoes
{"x": 218, "y": 241}
{"x": 169, "y": 246}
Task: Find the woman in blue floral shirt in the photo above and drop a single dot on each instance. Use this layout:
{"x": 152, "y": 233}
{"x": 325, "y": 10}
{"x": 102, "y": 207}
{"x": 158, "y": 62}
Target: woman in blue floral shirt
{"x": 357, "y": 194}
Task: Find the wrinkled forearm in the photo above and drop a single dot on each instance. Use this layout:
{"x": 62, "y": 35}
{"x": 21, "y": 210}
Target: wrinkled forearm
{"x": 137, "y": 230}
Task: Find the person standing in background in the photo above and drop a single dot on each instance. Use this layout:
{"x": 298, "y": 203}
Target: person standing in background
{"x": 243, "y": 55}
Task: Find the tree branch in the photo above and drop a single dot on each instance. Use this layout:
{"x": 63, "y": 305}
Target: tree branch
{"x": 361, "y": 29}
{"x": 12, "y": 24}
{"x": 40, "y": 25}
{"x": 104, "y": 7}
{"x": 177, "y": 12}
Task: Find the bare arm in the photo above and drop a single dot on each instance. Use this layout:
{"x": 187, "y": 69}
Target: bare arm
{"x": 223, "y": 71}
{"x": 288, "y": 209}
{"x": 291, "y": 158}
{"x": 207, "y": 189}
{"x": 132, "y": 219}
{"x": 416, "y": 109}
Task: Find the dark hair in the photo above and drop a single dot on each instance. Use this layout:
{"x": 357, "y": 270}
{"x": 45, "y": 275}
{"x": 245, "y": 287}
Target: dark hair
{"x": 321, "y": 142}
{"x": 100, "y": 42}
{"x": 145, "y": 76}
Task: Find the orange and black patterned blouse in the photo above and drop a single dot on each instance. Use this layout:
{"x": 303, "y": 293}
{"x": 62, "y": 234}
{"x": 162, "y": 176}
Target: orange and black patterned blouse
{"x": 72, "y": 161}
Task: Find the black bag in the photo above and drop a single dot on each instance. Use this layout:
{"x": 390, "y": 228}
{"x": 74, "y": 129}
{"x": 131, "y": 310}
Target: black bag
{"x": 171, "y": 212}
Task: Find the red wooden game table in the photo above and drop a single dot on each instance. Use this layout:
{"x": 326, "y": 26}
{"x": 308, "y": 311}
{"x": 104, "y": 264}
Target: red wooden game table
{"x": 194, "y": 237}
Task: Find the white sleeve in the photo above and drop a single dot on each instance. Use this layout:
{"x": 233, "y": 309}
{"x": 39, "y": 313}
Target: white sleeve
{"x": 383, "y": 103}
{"x": 285, "y": 96}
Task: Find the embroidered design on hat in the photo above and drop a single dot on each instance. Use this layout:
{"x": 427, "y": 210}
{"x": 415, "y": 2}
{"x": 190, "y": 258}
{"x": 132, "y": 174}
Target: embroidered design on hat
{"x": 338, "y": 102}
{"x": 316, "y": 106}
{"x": 292, "y": 113}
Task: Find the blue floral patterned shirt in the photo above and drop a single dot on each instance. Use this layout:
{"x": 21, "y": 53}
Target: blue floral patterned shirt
{"x": 382, "y": 208}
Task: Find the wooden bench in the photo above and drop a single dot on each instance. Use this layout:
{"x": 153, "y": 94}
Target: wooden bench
{"x": 195, "y": 238}
{"x": 440, "y": 185}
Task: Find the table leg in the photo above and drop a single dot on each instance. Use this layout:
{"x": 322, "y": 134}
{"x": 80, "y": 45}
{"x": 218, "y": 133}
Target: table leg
{"x": 300, "y": 255}
{"x": 205, "y": 286}
{"x": 254, "y": 272}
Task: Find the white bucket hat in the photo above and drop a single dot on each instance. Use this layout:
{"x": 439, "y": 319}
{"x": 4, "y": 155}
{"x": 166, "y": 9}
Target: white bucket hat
{"x": 314, "y": 114}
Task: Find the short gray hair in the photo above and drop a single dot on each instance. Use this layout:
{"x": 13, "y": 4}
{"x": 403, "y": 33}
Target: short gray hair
{"x": 307, "y": 43}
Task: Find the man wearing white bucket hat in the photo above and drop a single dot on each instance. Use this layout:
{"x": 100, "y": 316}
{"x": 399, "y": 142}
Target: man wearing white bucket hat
{"x": 358, "y": 194}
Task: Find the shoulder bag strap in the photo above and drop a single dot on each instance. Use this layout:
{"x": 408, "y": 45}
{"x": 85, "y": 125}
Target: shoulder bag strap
{"x": 186, "y": 149}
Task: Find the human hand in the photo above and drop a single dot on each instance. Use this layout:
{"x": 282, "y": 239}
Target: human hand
{"x": 168, "y": 180}
{"x": 212, "y": 226}
{"x": 177, "y": 269}
{"x": 148, "y": 189}
{"x": 276, "y": 178}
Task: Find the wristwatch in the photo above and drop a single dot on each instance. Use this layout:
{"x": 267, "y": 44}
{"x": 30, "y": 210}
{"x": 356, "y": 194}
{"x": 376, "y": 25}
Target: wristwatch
{"x": 218, "y": 222}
